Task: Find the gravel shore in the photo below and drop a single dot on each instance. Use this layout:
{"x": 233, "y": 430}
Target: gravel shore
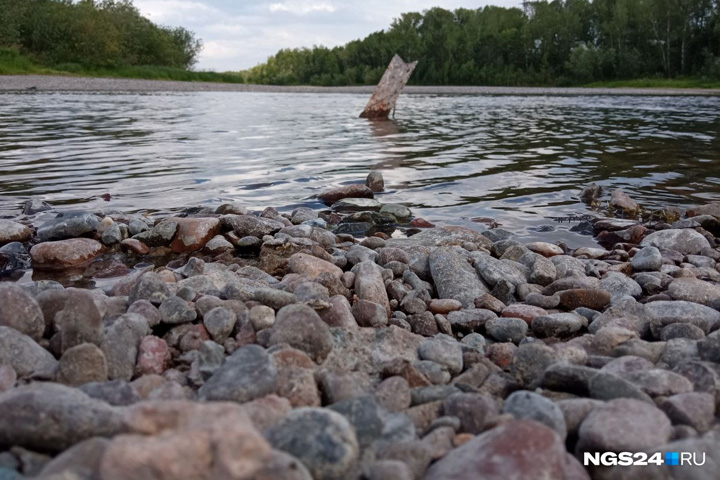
{"x": 47, "y": 83}
{"x": 314, "y": 345}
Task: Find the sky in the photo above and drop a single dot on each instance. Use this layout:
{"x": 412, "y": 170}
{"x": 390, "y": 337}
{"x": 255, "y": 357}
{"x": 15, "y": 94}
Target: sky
{"x": 238, "y": 34}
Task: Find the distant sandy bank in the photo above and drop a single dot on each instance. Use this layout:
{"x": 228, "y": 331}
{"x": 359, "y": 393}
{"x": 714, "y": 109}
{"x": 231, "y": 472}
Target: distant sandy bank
{"x": 10, "y": 83}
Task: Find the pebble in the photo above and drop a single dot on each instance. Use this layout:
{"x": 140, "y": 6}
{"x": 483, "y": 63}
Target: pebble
{"x": 68, "y": 225}
{"x": 474, "y": 410}
{"x": 174, "y": 310}
{"x": 648, "y": 259}
{"x": 65, "y": 254}
{"x": 150, "y": 287}
{"x": 69, "y": 418}
{"x": 525, "y": 405}
{"x": 369, "y": 314}
{"x": 313, "y": 267}
{"x": 24, "y": 355}
{"x": 401, "y": 212}
{"x": 444, "y": 306}
{"x": 262, "y": 317}
{"x": 153, "y": 357}
{"x": 370, "y": 286}
{"x": 13, "y": 232}
{"x": 444, "y": 352}
{"x": 545, "y": 249}
{"x": 454, "y": 277}
{"x": 505, "y": 329}
{"x": 121, "y": 343}
{"x": 332, "y": 195}
{"x": 82, "y": 364}
{"x": 247, "y": 374}
{"x": 694, "y": 290}
{"x": 300, "y": 327}
{"x": 323, "y": 440}
{"x": 623, "y": 425}
{"x": 519, "y": 449}
{"x": 80, "y": 320}
{"x": 219, "y": 323}
{"x": 20, "y": 311}
{"x": 595, "y": 299}
{"x": 685, "y": 241}
{"x": 558, "y": 325}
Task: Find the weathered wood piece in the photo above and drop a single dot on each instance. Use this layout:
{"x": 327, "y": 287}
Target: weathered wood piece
{"x": 388, "y": 90}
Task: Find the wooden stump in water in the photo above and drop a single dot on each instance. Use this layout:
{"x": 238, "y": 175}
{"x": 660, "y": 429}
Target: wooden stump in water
{"x": 388, "y": 90}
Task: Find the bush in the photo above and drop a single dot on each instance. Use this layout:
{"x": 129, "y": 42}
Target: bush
{"x": 87, "y": 33}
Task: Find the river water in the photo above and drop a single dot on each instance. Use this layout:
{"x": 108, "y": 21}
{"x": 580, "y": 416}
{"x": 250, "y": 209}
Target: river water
{"x": 453, "y": 159}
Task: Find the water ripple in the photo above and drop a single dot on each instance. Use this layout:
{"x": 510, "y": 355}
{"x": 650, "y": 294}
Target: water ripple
{"x": 514, "y": 158}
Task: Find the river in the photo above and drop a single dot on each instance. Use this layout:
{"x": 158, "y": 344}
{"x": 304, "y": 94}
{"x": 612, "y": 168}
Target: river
{"x": 453, "y": 159}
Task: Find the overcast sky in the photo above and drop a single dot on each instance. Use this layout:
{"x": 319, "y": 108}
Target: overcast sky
{"x": 239, "y": 34}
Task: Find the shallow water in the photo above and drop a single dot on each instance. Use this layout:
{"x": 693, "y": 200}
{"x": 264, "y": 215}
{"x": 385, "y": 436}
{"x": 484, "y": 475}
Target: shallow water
{"x": 517, "y": 159}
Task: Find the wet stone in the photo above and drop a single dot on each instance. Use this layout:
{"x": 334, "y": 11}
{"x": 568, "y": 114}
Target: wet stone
{"x": 13, "y": 232}
{"x": 68, "y": 225}
{"x": 65, "y": 254}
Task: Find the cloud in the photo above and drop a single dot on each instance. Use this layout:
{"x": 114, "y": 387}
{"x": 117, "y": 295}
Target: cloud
{"x": 240, "y": 34}
{"x": 301, "y": 7}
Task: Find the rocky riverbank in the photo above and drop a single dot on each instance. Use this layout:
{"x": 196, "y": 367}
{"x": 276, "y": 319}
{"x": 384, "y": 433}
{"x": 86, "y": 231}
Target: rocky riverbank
{"x": 232, "y": 345}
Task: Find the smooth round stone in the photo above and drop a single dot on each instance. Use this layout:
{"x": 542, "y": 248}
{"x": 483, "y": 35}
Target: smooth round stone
{"x": 444, "y": 352}
{"x": 72, "y": 253}
{"x": 505, "y": 329}
{"x": 594, "y": 299}
{"x": 247, "y": 374}
{"x": 545, "y": 249}
{"x": 175, "y": 310}
{"x": 13, "y": 232}
{"x": 649, "y": 259}
{"x": 323, "y": 440}
{"x": 219, "y": 322}
{"x": 686, "y": 241}
{"x": 444, "y": 306}
{"x": 681, "y": 330}
{"x": 19, "y": 310}
{"x": 82, "y": 364}
{"x": 396, "y": 210}
{"x": 262, "y": 317}
{"x": 135, "y": 246}
{"x": 525, "y": 405}
{"x": 694, "y": 290}
{"x": 346, "y": 192}
{"x": 558, "y": 325}
{"x": 375, "y": 181}
{"x": 624, "y": 425}
{"x": 519, "y": 449}
{"x": 526, "y": 312}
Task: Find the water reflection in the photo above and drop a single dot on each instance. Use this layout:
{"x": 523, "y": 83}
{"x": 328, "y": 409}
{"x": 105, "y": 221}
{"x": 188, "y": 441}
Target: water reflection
{"x": 515, "y": 159}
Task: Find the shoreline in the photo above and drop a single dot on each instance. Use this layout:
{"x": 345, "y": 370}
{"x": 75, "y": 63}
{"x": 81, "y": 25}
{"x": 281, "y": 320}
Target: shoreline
{"x": 55, "y": 83}
{"x": 329, "y": 350}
